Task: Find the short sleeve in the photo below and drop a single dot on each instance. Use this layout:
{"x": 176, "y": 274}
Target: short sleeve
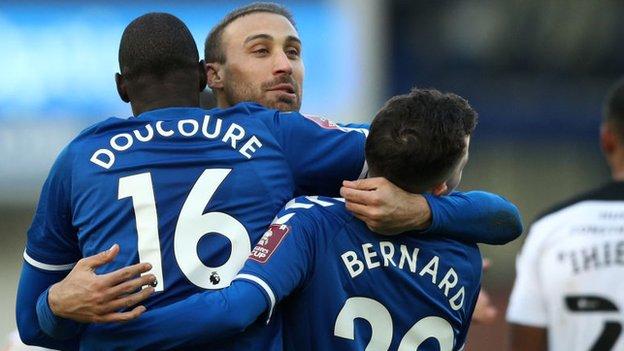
{"x": 283, "y": 258}
{"x": 321, "y": 153}
{"x": 52, "y": 241}
{"x": 527, "y": 305}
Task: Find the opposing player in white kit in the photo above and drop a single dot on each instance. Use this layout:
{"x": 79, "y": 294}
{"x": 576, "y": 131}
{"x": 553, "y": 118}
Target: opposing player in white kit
{"x": 569, "y": 289}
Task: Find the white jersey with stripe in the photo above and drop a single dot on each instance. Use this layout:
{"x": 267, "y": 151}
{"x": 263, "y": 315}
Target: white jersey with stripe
{"x": 570, "y": 274}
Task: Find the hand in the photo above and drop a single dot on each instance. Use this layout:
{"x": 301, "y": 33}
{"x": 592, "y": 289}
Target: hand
{"x": 485, "y": 312}
{"x": 86, "y": 297}
{"x": 384, "y": 207}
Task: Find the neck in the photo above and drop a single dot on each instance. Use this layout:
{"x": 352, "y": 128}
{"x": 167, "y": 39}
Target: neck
{"x": 616, "y": 163}
{"x": 618, "y": 175}
{"x": 177, "y": 89}
{"x": 221, "y": 100}
{"x": 145, "y": 105}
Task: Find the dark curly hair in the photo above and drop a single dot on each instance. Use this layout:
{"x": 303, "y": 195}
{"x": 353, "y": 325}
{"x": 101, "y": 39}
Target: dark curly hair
{"x": 157, "y": 44}
{"x": 417, "y": 139}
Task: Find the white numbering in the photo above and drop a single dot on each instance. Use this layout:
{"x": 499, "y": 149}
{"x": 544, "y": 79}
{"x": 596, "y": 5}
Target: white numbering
{"x": 379, "y": 318}
{"x": 192, "y": 225}
{"x": 372, "y": 311}
{"x": 139, "y": 187}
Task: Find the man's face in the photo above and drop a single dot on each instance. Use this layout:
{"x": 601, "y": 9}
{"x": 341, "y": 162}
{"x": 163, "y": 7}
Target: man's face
{"x": 262, "y": 62}
{"x": 456, "y": 176}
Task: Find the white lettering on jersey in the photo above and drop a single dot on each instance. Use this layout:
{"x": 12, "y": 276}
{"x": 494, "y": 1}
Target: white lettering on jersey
{"x": 455, "y": 304}
{"x": 369, "y": 254}
{"x": 148, "y": 137}
{"x": 354, "y": 266}
{"x": 250, "y": 147}
{"x": 431, "y": 268}
{"x": 449, "y": 281}
{"x": 161, "y": 131}
{"x": 217, "y": 129}
{"x": 114, "y": 142}
{"x": 406, "y": 258}
{"x": 234, "y": 133}
{"x": 191, "y": 122}
{"x": 387, "y": 251}
{"x": 106, "y": 163}
{"x": 407, "y": 261}
{"x": 233, "y": 137}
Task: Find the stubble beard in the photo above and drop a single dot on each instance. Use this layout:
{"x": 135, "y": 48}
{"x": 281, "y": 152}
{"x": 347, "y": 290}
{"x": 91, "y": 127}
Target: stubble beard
{"x": 237, "y": 91}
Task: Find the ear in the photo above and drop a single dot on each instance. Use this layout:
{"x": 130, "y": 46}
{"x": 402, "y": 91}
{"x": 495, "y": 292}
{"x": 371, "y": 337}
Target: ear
{"x": 214, "y": 74}
{"x": 202, "y": 75}
{"x": 608, "y": 139}
{"x": 440, "y": 189}
{"x": 120, "y": 81}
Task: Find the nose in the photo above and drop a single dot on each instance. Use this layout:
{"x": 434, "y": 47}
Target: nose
{"x": 282, "y": 64}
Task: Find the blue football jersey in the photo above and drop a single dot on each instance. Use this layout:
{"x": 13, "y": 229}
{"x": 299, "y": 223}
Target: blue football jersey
{"x": 187, "y": 190}
{"x": 339, "y": 286}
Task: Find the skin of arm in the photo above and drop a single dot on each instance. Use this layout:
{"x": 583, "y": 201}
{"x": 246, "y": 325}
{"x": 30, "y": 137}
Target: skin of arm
{"x": 86, "y": 297}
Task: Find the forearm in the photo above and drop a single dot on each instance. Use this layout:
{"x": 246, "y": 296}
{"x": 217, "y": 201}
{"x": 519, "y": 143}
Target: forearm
{"x": 205, "y": 317}
{"x": 475, "y": 216}
{"x": 34, "y": 282}
{"x": 55, "y": 326}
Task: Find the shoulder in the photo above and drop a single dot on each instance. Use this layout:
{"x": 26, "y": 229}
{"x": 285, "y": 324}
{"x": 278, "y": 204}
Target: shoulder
{"x": 557, "y": 221}
{"x": 319, "y": 210}
{"x": 250, "y": 109}
{"x": 580, "y": 207}
{"x": 96, "y": 129}
{"x": 608, "y": 192}
{"x": 88, "y": 137}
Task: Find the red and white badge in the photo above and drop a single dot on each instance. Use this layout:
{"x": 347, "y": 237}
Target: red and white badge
{"x": 269, "y": 242}
{"x": 322, "y": 122}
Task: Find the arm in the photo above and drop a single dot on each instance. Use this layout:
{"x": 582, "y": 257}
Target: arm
{"x": 223, "y": 313}
{"x": 83, "y": 296}
{"x": 201, "y": 318}
{"x": 51, "y": 251}
{"x": 33, "y": 282}
{"x": 338, "y": 154}
{"x": 475, "y": 216}
{"x": 485, "y": 311}
{"x": 526, "y": 338}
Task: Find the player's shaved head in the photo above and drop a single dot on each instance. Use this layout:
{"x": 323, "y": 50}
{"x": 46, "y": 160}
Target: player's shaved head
{"x": 419, "y": 140}
{"x": 159, "y": 64}
{"x": 213, "y": 48}
{"x": 156, "y": 44}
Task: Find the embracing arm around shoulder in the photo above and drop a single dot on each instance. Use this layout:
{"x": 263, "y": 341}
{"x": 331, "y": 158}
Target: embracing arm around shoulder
{"x": 475, "y": 216}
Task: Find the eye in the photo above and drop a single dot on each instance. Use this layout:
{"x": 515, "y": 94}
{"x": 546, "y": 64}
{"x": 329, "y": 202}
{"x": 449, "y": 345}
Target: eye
{"x": 261, "y": 51}
{"x": 292, "y": 52}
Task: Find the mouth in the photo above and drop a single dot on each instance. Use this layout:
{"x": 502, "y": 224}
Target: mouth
{"x": 284, "y": 87}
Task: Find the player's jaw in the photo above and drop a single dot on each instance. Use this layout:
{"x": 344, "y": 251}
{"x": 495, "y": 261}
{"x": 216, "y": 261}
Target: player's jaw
{"x": 282, "y": 93}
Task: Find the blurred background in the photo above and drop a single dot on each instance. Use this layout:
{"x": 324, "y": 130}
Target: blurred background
{"x": 536, "y": 70}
